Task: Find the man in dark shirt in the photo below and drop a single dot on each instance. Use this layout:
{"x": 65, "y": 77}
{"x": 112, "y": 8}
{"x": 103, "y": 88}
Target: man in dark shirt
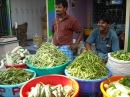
{"x": 63, "y": 26}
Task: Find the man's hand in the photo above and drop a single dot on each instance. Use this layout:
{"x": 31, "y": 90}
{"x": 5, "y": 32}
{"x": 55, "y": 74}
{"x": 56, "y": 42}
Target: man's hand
{"x": 105, "y": 60}
{"x": 73, "y": 46}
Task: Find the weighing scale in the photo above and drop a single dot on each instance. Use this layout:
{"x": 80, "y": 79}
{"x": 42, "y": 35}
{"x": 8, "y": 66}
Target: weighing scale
{"x": 7, "y": 38}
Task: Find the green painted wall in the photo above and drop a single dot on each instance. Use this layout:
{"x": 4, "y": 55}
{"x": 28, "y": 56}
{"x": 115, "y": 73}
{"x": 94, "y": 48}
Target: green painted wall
{"x": 51, "y": 15}
{"x": 8, "y": 17}
{"x": 51, "y": 5}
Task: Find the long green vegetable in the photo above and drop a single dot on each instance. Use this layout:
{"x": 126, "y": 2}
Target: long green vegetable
{"x": 87, "y": 66}
{"x": 121, "y": 55}
{"x": 13, "y": 76}
{"x": 48, "y": 56}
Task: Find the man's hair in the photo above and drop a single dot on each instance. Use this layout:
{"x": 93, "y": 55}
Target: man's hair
{"x": 106, "y": 19}
{"x": 63, "y": 2}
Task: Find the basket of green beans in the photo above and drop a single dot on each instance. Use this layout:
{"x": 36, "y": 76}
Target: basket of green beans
{"x": 89, "y": 71}
{"x": 12, "y": 79}
{"x": 48, "y": 60}
{"x": 119, "y": 62}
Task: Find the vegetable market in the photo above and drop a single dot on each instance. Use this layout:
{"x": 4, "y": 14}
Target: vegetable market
{"x": 86, "y": 67}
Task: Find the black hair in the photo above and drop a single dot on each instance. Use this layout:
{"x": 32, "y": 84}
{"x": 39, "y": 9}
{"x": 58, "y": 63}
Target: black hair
{"x": 106, "y": 18}
{"x": 63, "y": 2}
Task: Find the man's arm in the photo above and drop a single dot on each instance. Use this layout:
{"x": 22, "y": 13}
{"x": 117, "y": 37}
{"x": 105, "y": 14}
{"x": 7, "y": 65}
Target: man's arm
{"x": 88, "y": 46}
{"x": 79, "y": 37}
{"x": 73, "y": 46}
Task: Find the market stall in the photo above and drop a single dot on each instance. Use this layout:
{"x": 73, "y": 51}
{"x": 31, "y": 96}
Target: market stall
{"x": 53, "y": 75}
{"x": 87, "y": 69}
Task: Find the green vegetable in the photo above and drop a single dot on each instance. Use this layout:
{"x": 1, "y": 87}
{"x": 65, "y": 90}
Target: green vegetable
{"x": 122, "y": 88}
{"x": 15, "y": 57}
{"x": 12, "y": 76}
{"x": 41, "y": 90}
{"x": 16, "y": 49}
{"x": 38, "y": 90}
{"x": 109, "y": 90}
{"x": 87, "y": 66}
{"x": 48, "y": 91}
{"x": 114, "y": 93}
{"x": 121, "y": 55}
{"x": 125, "y": 81}
{"x": 48, "y": 56}
{"x": 116, "y": 89}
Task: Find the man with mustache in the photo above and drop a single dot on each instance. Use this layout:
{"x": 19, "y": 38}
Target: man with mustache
{"x": 104, "y": 38}
{"x": 63, "y": 27}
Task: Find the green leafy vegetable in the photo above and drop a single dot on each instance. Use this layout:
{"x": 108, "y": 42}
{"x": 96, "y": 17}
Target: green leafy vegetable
{"x": 125, "y": 81}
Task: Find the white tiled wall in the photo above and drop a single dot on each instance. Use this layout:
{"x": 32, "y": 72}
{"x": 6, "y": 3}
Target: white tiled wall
{"x": 29, "y": 11}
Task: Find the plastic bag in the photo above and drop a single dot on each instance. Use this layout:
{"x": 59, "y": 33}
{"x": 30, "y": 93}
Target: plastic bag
{"x": 2, "y": 65}
{"x": 118, "y": 67}
{"x": 9, "y": 59}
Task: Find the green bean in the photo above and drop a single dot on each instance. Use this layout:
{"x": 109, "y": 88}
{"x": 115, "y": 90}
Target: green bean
{"x": 48, "y": 56}
{"x": 121, "y": 55}
{"x": 87, "y": 66}
{"x": 12, "y": 76}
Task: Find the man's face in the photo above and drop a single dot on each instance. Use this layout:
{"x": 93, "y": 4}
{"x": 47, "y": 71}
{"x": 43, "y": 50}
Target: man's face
{"x": 60, "y": 9}
{"x": 103, "y": 26}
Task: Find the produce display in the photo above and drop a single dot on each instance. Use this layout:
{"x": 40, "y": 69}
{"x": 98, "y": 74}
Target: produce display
{"x": 87, "y": 66}
{"x": 17, "y": 56}
{"x": 119, "y": 88}
{"x": 121, "y": 55}
{"x": 42, "y": 90}
{"x": 48, "y": 56}
{"x": 13, "y": 76}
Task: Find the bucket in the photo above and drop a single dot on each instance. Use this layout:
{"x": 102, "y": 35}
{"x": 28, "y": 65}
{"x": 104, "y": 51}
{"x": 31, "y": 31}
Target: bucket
{"x": 23, "y": 65}
{"x": 16, "y": 66}
{"x": 13, "y": 90}
{"x": 53, "y": 79}
{"x": 89, "y": 86}
{"x": 107, "y": 81}
{"x": 37, "y": 41}
{"x": 87, "y": 31}
{"x": 50, "y": 70}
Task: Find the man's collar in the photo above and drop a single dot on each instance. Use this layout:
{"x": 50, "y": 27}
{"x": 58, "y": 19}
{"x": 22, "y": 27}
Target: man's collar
{"x": 66, "y": 16}
{"x": 108, "y": 33}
